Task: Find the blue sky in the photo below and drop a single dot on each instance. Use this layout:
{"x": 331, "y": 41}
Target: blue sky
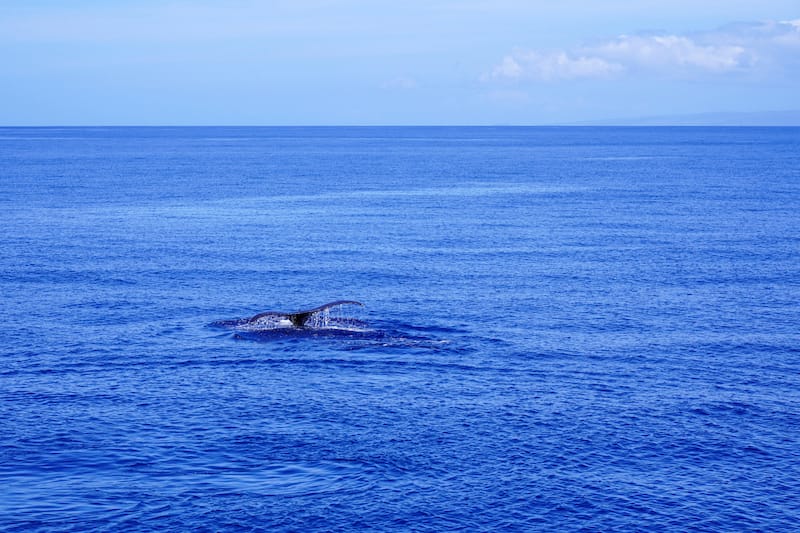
{"x": 381, "y": 62}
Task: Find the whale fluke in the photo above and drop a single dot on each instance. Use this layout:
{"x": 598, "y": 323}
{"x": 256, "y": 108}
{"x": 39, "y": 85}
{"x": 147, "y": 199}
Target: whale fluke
{"x": 299, "y": 318}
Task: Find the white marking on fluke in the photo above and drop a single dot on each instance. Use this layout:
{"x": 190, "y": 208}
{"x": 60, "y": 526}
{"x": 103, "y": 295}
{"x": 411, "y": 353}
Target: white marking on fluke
{"x": 300, "y": 318}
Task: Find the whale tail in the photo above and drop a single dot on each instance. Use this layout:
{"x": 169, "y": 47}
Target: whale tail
{"x": 300, "y": 318}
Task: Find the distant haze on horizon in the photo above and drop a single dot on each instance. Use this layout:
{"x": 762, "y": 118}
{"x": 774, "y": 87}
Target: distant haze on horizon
{"x": 359, "y": 62}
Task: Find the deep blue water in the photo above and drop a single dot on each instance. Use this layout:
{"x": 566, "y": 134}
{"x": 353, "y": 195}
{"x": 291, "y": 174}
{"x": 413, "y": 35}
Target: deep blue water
{"x": 586, "y": 329}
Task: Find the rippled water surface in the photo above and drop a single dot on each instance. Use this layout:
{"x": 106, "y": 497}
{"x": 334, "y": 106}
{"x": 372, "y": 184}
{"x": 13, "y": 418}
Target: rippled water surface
{"x": 565, "y": 329}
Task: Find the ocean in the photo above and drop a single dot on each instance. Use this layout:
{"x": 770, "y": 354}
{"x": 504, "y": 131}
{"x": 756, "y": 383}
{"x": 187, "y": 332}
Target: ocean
{"x": 564, "y": 329}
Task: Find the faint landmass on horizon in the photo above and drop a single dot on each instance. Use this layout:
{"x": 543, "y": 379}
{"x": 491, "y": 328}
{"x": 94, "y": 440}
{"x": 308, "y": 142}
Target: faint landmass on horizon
{"x": 758, "y": 118}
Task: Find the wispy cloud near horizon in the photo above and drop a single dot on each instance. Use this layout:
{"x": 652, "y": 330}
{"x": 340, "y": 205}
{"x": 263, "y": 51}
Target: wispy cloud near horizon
{"x": 736, "y": 48}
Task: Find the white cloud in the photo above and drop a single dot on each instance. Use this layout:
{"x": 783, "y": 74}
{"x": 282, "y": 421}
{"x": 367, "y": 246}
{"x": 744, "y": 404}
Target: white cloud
{"x": 551, "y": 66}
{"x": 508, "y": 68}
{"x": 738, "y": 48}
{"x": 664, "y": 52}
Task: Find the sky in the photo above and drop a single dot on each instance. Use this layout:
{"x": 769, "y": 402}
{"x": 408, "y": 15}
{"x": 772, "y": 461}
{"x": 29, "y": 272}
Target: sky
{"x": 416, "y": 62}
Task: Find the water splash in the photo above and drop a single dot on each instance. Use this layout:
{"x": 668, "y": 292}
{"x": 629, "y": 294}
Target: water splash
{"x": 343, "y": 316}
{"x": 337, "y": 317}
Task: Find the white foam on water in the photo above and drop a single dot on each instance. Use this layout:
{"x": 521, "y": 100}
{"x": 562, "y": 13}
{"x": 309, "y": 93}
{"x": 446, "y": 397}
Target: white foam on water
{"x": 338, "y": 317}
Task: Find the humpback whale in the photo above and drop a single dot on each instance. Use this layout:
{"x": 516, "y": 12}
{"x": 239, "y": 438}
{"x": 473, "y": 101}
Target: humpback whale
{"x": 299, "y": 318}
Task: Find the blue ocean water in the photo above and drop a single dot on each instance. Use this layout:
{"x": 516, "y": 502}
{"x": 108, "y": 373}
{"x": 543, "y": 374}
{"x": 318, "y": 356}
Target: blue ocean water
{"x": 588, "y": 329}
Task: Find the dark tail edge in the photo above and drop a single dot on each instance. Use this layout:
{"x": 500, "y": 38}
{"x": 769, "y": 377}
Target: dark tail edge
{"x": 299, "y": 318}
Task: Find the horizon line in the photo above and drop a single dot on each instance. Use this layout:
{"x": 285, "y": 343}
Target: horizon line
{"x": 591, "y": 124}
